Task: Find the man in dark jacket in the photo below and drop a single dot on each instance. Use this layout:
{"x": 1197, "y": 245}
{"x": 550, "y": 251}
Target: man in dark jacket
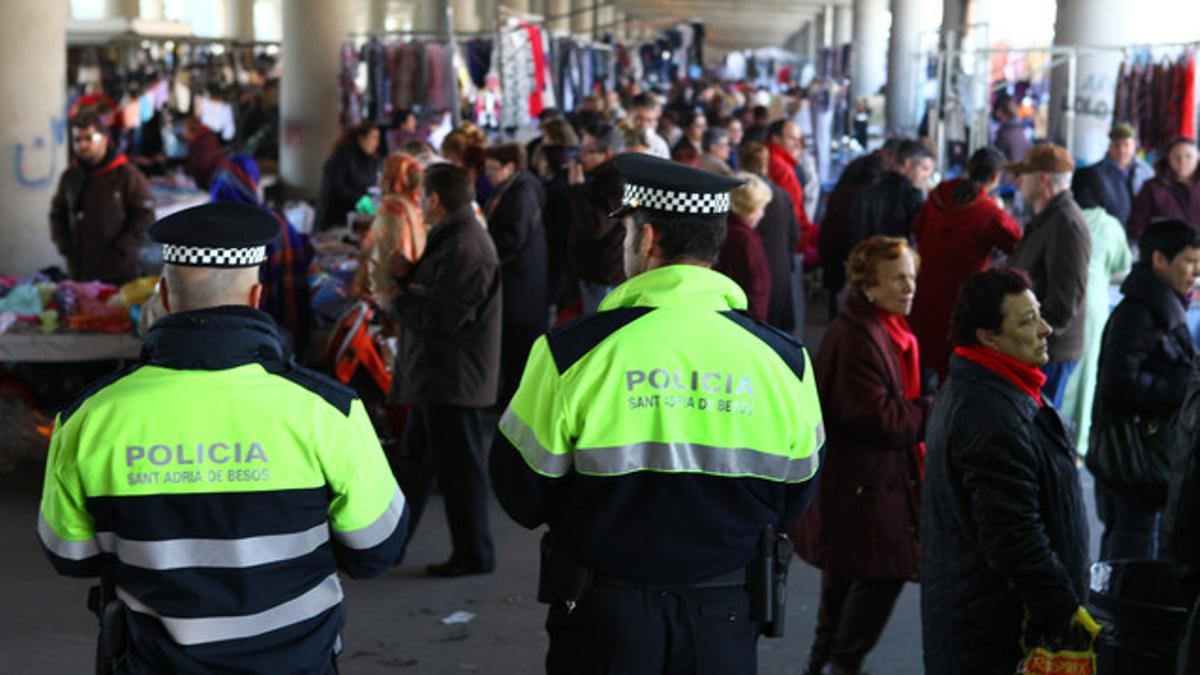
{"x": 889, "y": 206}
{"x": 1145, "y": 364}
{"x": 448, "y": 364}
{"x": 514, "y": 219}
{"x": 1003, "y": 525}
{"x": 836, "y": 233}
{"x": 780, "y": 234}
{"x": 596, "y": 242}
{"x": 1114, "y": 181}
{"x": 102, "y": 208}
{"x": 1055, "y": 251}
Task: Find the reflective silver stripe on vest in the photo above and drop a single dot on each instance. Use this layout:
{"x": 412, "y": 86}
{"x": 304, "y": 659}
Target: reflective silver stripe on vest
{"x": 377, "y": 532}
{"x": 71, "y": 550}
{"x": 536, "y": 455}
{"x": 169, "y": 554}
{"x": 693, "y": 458}
{"x": 321, "y": 597}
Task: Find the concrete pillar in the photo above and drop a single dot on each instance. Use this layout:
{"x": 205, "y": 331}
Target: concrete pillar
{"x": 1094, "y": 23}
{"x": 377, "y": 14}
{"x": 239, "y": 19}
{"x": 313, "y": 31}
{"x": 122, "y": 9}
{"x": 843, "y": 25}
{"x": 825, "y": 27}
{"x": 621, "y": 30}
{"x": 487, "y": 13}
{"x": 466, "y": 15}
{"x": 904, "y": 102}
{"x": 608, "y": 17}
{"x": 153, "y": 10}
{"x": 33, "y": 119}
{"x": 556, "y": 14}
{"x": 581, "y": 19}
{"x": 430, "y": 16}
{"x": 870, "y": 47}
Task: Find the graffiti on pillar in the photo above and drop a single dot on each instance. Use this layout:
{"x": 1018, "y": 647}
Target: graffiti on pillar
{"x": 25, "y": 156}
{"x": 1093, "y": 96}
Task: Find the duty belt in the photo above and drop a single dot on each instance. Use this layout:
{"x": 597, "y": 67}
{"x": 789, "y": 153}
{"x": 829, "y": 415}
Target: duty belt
{"x": 728, "y": 580}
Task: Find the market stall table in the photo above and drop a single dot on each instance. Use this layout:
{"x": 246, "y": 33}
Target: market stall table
{"x": 67, "y": 347}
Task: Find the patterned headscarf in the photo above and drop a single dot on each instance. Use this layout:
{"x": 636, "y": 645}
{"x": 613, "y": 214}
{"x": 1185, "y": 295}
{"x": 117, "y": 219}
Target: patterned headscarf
{"x": 401, "y": 177}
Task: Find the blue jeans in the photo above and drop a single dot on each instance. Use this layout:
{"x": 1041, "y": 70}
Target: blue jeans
{"x": 1057, "y": 373}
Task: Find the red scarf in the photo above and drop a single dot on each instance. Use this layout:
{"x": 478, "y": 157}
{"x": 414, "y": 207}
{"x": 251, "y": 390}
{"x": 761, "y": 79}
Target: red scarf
{"x": 1028, "y": 379}
{"x": 909, "y": 356}
{"x": 906, "y": 350}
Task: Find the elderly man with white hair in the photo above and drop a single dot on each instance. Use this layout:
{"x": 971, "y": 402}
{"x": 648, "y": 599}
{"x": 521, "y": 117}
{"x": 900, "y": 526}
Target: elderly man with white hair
{"x": 1055, "y": 251}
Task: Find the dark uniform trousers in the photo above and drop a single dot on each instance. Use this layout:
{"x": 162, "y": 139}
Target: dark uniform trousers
{"x": 850, "y": 619}
{"x": 631, "y": 630}
{"x": 447, "y": 442}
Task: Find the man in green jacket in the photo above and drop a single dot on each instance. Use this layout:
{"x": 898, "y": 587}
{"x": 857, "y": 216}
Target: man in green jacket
{"x": 217, "y": 487}
{"x": 658, "y": 438}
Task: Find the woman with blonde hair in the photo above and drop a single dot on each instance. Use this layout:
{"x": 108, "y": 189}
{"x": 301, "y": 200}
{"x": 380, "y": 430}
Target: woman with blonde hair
{"x": 742, "y": 256}
{"x": 398, "y": 226}
{"x": 861, "y": 529}
{"x": 463, "y": 148}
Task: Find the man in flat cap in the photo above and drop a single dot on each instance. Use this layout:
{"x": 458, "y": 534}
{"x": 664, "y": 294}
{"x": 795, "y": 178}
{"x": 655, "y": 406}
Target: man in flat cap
{"x": 216, "y": 487}
{"x": 665, "y": 440}
{"x": 1114, "y": 181}
{"x": 1055, "y": 251}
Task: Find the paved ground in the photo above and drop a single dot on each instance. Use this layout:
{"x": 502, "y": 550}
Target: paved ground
{"x": 393, "y": 621}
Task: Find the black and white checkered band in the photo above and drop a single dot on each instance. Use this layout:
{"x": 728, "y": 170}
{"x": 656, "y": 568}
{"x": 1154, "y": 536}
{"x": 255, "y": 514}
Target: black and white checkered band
{"x": 199, "y": 256}
{"x": 641, "y": 196}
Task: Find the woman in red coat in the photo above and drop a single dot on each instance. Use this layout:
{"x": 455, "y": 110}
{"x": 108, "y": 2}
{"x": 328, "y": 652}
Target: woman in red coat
{"x": 956, "y": 230}
{"x": 862, "y": 527}
{"x": 742, "y": 256}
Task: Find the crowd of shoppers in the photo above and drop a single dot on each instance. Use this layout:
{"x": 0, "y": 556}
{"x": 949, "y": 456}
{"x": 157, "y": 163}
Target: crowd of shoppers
{"x": 945, "y": 444}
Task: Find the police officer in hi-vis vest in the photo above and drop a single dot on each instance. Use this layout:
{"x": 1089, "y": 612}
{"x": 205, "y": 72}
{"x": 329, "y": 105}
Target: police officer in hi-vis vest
{"x": 665, "y": 440}
{"x": 216, "y": 486}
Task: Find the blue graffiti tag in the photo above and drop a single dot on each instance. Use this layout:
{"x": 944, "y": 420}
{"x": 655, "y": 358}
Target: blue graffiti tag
{"x": 58, "y": 133}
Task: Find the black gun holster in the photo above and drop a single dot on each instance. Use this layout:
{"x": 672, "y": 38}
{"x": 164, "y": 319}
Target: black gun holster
{"x": 112, "y": 647}
{"x": 768, "y": 582}
{"x": 563, "y": 578}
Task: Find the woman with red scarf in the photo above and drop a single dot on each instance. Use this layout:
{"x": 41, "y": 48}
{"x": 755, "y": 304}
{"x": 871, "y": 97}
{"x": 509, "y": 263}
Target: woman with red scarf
{"x": 862, "y": 527}
{"x": 1004, "y": 534}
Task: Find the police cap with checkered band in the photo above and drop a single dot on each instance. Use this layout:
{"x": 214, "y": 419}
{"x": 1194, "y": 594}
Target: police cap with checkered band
{"x": 670, "y": 188}
{"x": 224, "y": 234}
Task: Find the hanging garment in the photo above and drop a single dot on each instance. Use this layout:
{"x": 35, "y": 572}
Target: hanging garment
{"x": 1187, "y": 98}
{"x": 437, "y": 76}
{"x": 538, "y": 54}
{"x": 479, "y": 60}
{"x": 516, "y": 73}
{"x": 403, "y": 64}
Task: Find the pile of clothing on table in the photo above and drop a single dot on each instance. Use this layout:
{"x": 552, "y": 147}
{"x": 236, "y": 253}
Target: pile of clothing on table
{"x": 39, "y": 305}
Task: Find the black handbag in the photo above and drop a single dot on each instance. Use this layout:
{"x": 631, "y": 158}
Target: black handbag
{"x": 1132, "y": 455}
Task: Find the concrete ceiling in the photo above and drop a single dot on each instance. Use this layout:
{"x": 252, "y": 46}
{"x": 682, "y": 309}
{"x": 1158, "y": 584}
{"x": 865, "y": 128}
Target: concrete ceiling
{"x": 731, "y": 25}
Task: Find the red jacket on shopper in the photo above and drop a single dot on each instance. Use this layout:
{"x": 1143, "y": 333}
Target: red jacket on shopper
{"x": 863, "y": 520}
{"x": 743, "y": 260}
{"x": 782, "y": 172}
{"x": 955, "y": 242}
